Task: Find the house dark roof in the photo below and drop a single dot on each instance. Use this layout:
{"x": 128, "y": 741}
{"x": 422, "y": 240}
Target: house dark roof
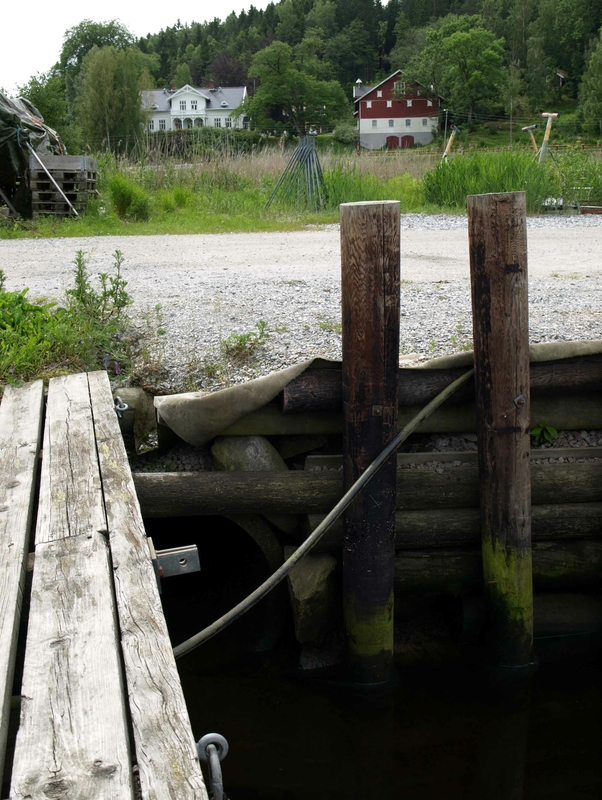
{"x": 231, "y": 95}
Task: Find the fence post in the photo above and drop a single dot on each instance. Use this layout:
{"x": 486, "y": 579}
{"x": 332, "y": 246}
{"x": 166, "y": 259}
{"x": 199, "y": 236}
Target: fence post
{"x": 370, "y": 273}
{"x": 498, "y": 267}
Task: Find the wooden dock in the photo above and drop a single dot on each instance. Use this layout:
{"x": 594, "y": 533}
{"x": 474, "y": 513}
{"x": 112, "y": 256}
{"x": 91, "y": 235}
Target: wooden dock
{"x": 102, "y": 709}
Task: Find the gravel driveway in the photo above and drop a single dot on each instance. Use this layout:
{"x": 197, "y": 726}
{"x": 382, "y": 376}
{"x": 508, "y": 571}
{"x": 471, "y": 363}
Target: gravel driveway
{"x": 210, "y": 286}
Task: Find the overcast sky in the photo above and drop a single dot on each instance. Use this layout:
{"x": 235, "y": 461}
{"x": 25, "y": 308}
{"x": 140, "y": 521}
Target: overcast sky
{"x": 32, "y": 32}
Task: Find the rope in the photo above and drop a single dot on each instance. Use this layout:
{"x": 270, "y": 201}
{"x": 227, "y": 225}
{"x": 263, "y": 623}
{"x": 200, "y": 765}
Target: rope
{"x": 259, "y": 593}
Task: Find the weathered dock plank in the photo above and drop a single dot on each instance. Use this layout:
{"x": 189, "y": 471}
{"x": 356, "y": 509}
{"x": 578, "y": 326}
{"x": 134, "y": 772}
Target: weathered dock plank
{"x": 71, "y": 501}
{"x": 73, "y": 736}
{"x": 165, "y": 748}
{"x": 20, "y": 437}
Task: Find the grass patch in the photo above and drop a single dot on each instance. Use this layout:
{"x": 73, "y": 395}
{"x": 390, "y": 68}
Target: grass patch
{"x": 89, "y": 332}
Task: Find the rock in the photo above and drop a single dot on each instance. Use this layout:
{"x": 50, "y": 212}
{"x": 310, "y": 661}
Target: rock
{"x": 253, "y": 454}
{"x": 314, "y": 596}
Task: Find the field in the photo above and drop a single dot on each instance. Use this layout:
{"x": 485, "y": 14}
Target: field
{"x": 228, "y": 192}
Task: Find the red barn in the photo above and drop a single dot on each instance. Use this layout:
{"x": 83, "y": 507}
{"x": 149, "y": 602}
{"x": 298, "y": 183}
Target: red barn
{"x": 395, "y": 114}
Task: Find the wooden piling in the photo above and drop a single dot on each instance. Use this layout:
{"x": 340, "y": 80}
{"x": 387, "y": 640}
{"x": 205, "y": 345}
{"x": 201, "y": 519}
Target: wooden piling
{"x": 370, "y": 253}
{"x": 498, "y": 266}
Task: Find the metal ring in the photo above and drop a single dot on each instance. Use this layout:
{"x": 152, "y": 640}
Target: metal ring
{"x": 216, "y": 739}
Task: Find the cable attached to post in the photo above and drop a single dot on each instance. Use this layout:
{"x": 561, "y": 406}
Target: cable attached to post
{"x": 349, "y": 496}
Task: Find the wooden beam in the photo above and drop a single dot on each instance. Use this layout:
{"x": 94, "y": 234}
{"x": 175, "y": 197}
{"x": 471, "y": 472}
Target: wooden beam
{"x": 461, "y": 527}
{"x": 73, "y": 739}
{"x": 497, "y": 230}
{"x": 20, "y": 439}
{"x": 564, "y": 412}
{"x": 71, "y": 502}
{"x": 164, "y": 744}
{"x": 370, "y": 274}
{"x": 556, "y": 565}
{"x": 182, "y": 494}
{"x": 322, "y": 389}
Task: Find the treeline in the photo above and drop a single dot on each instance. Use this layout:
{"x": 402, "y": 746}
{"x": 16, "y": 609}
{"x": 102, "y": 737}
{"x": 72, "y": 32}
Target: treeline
{"x": 487, "y": 58}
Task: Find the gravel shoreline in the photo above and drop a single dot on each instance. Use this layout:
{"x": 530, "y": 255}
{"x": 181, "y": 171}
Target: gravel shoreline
{"x": 210, "y": 287}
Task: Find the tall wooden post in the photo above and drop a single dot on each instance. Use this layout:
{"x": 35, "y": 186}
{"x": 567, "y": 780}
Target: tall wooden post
{"x": 498, "y": 267}
{"x": 370, "y": 252}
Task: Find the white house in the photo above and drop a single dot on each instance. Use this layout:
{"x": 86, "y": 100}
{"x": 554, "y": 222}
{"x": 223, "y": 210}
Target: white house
{"x": 395, "y": 113}
{"x": 189, "y": 107}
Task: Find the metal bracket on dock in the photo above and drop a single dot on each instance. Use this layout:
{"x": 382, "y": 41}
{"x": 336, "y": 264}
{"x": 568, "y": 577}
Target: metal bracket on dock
{"x": 174, "y": 561}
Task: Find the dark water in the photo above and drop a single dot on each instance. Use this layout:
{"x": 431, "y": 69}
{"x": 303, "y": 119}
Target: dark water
{"x": 444, "y": 732}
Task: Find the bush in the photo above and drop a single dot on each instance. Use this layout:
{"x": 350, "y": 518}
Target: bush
{"x": 129, "y": 200}
{"x": 345, "y": 133}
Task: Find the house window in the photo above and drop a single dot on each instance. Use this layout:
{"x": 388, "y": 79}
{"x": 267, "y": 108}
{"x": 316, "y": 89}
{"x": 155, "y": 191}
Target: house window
{"x": 193, "y": 105}
{"x": 161, "y": 124}
{"x": 391, "y": 123}
{"x": 408, "y": 123}
{"x": 177, "y": 123}
{"x": 425, "y": 122}
{"x": 217, "y": 122}
{"x": 389, "y": 104}
{"x": 182, "y": 105}
{"x": 409, "y": 102}
{"x": 368, "y": 103}
{"x": 374, "y": 123}
{"x": 429, "y": 102}
{"x": 400, "y": 86}
{"x": 379, "y": 93}
{"x": 228, "y": 122}
{"x": 151, "y": 125}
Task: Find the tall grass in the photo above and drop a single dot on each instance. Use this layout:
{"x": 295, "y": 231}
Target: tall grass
{"x": 451, "y": 181}
{"x": 230, "y": 194}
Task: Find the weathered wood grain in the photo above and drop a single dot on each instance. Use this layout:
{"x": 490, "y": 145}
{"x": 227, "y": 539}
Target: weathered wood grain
{"x": 173, "y": 494}
{"x": 497, "y": 231}
{"x": 322, "y": 389}
{"x": 164, "y": 744}
{"x": 70, "y": 489}
{"x": 73, "y": 738}
{"x": 20, "y": 439}
{"x": 556, "y": 565}
{"x": 461, "y": 527}
{"x": 370, "y": 273}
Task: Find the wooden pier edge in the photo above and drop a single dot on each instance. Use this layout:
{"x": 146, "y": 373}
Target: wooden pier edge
{"x": 165, "y": 748}
{"x": 20, "y": 440}
{"x": 100, "y": 689}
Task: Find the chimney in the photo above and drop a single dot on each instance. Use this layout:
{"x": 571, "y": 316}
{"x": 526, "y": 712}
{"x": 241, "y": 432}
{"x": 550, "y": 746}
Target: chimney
{"x": 173, "y": 87}
{"x": 211, "y": 84}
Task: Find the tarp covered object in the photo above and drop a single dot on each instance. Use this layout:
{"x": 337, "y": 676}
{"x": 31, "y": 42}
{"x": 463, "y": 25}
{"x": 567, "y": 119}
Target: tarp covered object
{"x": 21, "y": 123}
{"x": 197, "y": 417}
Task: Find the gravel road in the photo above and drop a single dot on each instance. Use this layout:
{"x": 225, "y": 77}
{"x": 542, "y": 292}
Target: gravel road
{"x": 210, "y": 286}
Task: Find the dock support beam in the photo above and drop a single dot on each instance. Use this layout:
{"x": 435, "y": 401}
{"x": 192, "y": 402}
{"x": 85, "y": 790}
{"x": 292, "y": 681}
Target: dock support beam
{"x": 370, "y": 267}
{"x": 498, "y": 267}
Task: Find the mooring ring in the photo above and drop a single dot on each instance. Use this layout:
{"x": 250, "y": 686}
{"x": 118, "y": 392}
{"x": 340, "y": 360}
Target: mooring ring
{"x": 220, "y": 742}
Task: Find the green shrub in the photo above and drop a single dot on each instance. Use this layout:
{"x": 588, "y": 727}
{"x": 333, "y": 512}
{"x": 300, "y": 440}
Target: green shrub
{"x": 479, "y": 173}
{"x": 345, "y": 133}
{"x": 129, "y": 200}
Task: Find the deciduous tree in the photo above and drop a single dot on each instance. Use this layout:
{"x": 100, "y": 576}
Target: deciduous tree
{"x": 295, "y": 96}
